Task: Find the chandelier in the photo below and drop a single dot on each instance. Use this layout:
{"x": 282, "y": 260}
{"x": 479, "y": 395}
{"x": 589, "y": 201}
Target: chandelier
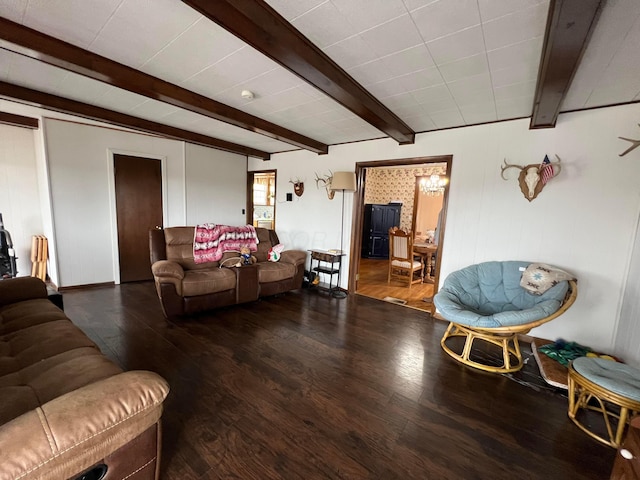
{"x": 432, "y": 186}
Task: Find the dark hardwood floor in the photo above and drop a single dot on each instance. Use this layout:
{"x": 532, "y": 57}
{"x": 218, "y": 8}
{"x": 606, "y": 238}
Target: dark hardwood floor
{"x": 305, "y": 386}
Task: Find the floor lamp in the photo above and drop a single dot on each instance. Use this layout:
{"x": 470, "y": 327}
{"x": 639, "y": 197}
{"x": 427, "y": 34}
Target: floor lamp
{"x": 344, "y": 182}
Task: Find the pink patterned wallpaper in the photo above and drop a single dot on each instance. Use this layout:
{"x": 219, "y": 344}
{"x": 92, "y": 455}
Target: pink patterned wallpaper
{"x": 384, "y": 185}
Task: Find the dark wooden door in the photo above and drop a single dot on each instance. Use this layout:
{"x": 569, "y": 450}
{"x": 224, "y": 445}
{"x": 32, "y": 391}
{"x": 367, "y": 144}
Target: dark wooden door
{"x": 138, "y": 185}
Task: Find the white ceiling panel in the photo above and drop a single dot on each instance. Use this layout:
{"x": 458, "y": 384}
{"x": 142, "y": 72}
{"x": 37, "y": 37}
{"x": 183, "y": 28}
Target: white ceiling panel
{"x": 515, "y": 27}
{"x": 393, "y": 36}
{"x": 366, "y": 14}
{"x": 291, "y": 10}
{"x": 432, "y": 96}
{"x": 420, "y": 122}
{"x": 77, "y": 87}
{"x": 492, "y": 9}
{"x": 518, "y": 73}
{"x": 462, "y": 44}
{"x": 514, "y": 107}
{"x": 239, "y": 67}
{"x": 119, "y": 100}
{"x": 372, "y": 72}
{"x": 447, "y": 118}
{"x": 479, "y": 113}
{"x": 514, "y": 90}
{"x": 13, "y": 9}
{"x": 612, "y": 52}
{"x": 467, "y": 67}
{"x": 526, "y": 52}
{"x": 410, "y": 60}
{"x": 127, "y": 39}
{"x": 472, "y": 89}
{"x": 351, "y": 52}
{"x": 32, "y": 74}
{"x": 445, "y": 17}
{"x": 52, "y": 17}
{"x": 270, "y": 83}
{"x": 206, "y": 44}
{"x": 324, "y": 25}
{"x": 153, "y": 110}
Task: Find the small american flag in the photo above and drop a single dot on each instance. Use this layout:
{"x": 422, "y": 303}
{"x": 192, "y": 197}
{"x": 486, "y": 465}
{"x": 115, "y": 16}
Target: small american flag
{"x": 546, "y": 170}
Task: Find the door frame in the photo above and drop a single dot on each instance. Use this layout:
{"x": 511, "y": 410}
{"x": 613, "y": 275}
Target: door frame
{"x": 250, "y": 177}
{"x": 111, "y": 152}
{"x": 357, "y": 215}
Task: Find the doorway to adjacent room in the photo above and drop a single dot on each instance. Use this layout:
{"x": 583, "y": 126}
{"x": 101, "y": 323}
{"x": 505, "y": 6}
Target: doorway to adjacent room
{"x": 405, "y": 185}
{"x": 261, "y": 199}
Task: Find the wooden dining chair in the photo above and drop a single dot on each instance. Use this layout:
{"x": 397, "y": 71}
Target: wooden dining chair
{"x": 401, "y": 262}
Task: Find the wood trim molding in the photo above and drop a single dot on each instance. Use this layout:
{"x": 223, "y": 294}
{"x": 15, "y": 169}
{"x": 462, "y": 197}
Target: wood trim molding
{"x": 45, "y": 48}
{"x": 569, "y": 27}
{"x": 73, "y": 107}
{"x": 259, "y": 25}
{"x": 19, "y": 120}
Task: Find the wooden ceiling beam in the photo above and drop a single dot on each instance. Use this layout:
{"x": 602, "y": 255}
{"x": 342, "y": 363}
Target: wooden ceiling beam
{"x": 259, "y": 25}
{"x": 569, "y": 27}
{"x": 73, "y": 107}
{"x": 45, "y": 48}
{"x": 19, "y": 120}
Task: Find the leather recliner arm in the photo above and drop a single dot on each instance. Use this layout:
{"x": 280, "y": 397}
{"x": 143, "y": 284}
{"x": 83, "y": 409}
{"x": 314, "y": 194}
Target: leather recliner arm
{"x": 166, "y": 271}
{"x": 74, "y": 431}
{"x": 21, "y": 288}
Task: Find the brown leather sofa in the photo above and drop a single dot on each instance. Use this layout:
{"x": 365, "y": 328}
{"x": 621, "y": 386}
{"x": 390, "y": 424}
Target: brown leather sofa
{"x": 65, "y": 408}
{"x": 185, "y": 287}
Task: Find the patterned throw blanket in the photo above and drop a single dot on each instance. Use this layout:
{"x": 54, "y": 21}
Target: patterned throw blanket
{"x": 211, "y": 241}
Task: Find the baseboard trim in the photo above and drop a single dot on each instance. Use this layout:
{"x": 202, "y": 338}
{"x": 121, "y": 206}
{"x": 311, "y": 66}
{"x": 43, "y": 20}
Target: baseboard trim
{"x": 90, "y": 285}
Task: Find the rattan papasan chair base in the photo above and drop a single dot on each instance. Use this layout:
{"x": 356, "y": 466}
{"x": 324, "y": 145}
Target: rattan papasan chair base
{"x": 486, "y": 303}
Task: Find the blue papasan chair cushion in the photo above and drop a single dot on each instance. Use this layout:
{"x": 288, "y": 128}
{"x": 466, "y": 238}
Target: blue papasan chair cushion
{"x": 489, "y": 295}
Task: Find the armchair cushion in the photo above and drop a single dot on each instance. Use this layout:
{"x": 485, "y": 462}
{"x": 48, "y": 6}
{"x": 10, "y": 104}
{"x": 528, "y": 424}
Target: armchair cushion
{"x": 275, "y": 271}
{"x": 202, "y": 282}
{"x": 488, "y": 295}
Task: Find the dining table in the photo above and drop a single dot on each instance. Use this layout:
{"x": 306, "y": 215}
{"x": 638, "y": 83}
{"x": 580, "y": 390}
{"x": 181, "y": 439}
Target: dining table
{"x": 426, "y": 251}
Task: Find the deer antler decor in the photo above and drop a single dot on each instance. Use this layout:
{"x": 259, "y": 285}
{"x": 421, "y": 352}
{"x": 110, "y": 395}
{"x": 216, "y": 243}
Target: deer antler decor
{"x": 298, "y": 187}
{"x": 533, "y": 177}
{"x": 326, "y": 184}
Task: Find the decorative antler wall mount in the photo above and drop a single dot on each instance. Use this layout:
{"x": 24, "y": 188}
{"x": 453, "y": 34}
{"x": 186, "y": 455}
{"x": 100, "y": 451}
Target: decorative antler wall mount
{"x": 325, "y": 182}
{"x": 533, "y": 177}
{"x": 298, "y": 187}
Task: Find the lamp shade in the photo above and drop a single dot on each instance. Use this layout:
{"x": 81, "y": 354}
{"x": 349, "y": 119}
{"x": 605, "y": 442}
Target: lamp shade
{"x": 345, "y": 181}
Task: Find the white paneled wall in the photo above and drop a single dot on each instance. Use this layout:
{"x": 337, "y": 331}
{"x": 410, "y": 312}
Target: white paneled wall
{"x": 19, "y": 195}
{"x": 627, "y": 341}
{"x": 584, "y": 221}
{"x": 215, "y": 186}
{"x": 80, "y": 173}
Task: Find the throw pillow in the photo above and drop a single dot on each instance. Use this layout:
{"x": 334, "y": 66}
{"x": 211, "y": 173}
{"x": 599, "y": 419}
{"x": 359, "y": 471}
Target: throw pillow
{"x": 537, "y": 278}
{"x": 274, "y": 252}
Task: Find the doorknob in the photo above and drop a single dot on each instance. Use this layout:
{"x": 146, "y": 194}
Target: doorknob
{"x": 158, "y": 227}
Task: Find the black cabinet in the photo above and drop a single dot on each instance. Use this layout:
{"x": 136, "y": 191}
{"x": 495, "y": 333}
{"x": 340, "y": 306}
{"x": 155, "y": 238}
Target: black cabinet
{"x": 378, "y": 219}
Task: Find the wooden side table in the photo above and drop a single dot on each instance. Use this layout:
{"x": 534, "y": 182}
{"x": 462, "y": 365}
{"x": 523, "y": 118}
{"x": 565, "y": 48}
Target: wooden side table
{"x": 247, "y": 286}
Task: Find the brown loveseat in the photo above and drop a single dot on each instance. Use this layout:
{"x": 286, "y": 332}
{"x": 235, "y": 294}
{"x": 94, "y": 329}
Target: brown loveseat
{"x": 185, "y": 287}
{"x": 65, "y": 409}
